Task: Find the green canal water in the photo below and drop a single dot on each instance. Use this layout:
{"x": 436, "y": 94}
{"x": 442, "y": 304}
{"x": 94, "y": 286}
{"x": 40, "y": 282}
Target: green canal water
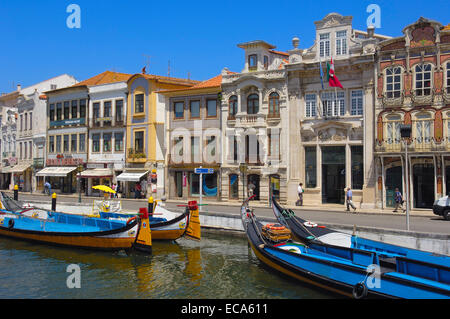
{"x": 218, "y": 267}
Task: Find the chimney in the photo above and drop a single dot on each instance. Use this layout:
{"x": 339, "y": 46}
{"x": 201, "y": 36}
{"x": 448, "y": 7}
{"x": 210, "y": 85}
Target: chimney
{"x": 19, "y": 87}
{"x": 370, "y": 31}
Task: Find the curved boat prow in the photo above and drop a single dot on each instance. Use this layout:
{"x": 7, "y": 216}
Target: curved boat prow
{"x": 194, "y": 228}
{"x": 143, "y": 241}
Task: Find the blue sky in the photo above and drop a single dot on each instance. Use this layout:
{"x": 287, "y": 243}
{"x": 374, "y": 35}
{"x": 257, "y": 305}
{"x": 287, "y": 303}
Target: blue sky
{"x": 198, "y": 37}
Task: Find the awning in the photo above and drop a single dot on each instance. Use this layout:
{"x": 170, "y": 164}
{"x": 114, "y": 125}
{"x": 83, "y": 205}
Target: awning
{"x": 19, "y": 168}
{"x": 131, "y": 176}
{"x": 97, "y": 173}
{"x": 6, "y": 170}
{"x": 56, "y": 171}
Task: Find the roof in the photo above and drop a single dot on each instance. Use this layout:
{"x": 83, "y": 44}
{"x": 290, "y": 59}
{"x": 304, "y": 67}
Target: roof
{"x": 279, "y": 52}
{"x": 104, "y": 78}
{"x": 446, "y": 28}
{"x": 215, "y": 82}
{"x": 256, "y": 43}
{"x": 168, "y": 80}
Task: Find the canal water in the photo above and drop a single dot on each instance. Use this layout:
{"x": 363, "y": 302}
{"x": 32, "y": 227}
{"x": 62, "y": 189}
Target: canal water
{"x": 218, "y": 267}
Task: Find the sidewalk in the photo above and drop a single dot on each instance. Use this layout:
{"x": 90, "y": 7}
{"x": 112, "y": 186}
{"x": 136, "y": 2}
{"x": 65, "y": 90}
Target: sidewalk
{"x": 323, "y": 207}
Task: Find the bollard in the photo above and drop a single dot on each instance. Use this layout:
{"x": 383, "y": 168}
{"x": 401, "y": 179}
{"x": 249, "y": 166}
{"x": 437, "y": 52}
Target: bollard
{"x": 16, "y": 192}
{"x": 54, "y": 202}
{"x": 150, "y": 205}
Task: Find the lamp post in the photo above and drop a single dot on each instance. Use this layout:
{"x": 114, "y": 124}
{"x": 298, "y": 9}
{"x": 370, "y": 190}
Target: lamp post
{"x": 79, "y": 168}
{"x": 405, "y": 133}
{"x": 243, "y": 169}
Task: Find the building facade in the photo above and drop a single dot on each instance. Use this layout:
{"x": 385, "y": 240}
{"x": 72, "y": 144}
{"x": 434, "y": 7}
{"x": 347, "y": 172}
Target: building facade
{"x": 254, "y": 135}
{"x": 413, "y": 88}
{"x": 331, "y": 140}
{"x": 193, "y": 140}
{"x": 107, "y": 118}
{"x": 145, "y": 135}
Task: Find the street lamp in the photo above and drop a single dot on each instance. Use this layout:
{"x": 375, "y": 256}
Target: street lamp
{"x": 243, "y": 169}
{"x": 405, "y": 133}
{"x": 79, "y": 168}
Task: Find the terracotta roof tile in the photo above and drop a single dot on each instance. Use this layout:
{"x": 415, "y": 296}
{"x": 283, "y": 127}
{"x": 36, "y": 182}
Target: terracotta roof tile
{"x": 279, "y": 52}
{"x": 104, "y": 78}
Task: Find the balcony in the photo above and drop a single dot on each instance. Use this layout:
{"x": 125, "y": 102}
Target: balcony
{"x": 38, "y": 162}
{"x": 393, "y": 101}
{"x": 136, "y": 156}
{"x": 108, "y": 121}
{"x": 251, "y": 120}
{"x": 78, "y": 121}
{"x": 273, "y": 118}
{"x": 422, "y": 99}
{"x": 415, "y": 146}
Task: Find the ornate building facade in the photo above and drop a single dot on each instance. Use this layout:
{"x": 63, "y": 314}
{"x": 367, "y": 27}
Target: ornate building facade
{"x": 413, "y": 88}
{"x": 332, "y": 129}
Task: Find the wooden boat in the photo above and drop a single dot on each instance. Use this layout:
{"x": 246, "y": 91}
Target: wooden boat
{"x": 348, "y": 271}
{"x": 77, "y": 231}
{"x": 310, "y": 232}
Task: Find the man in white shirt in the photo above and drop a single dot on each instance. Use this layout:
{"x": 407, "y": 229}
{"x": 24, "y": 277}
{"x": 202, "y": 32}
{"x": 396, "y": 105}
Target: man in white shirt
{"x": 300, "y": 195}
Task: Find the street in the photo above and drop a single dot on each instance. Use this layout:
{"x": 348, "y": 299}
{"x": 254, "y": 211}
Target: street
{"x": 425, "y": 224}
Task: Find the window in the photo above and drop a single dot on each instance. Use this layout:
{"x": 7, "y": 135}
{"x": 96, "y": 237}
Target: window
{"x": 96, "y": 113}
{"x": 25, "y": 146}
{"x": 107, "y": 113}
{"x": 82, "y": 143}
{"x": 332, "y": 105}
{"x": 82, "y": 108}
{"x": 30, "y": 146}
{"x": 232, "y": 108}
{"x": 26, "y": 122}
{"x": 31, "y": 121}
{"x": 195, "y": 149}
{"x": 178, "y": 108}
{"x": 21, "y": 122}
{"x": 393, "y": 82}
{"x": 357, "y": 167}
{"x": 252, "y": 104}
{"x": 211, "y": 149}
{"x": 252, "y": 62}
{"x": 139, "y": 103}
{"x": 341, "y": 42}
{"x": 324, "y": 45}
{"x": 96, "y": 143}
{"x": 119, "y": 110}
{"x": 52, "y": 112}
{"x": 266, "y": 62}
{"x": 393, "y": 123}
{"x": 139, "y": 141}
{"x": 58, "y": 144}
{"x": 423, "y": 127}
{"x": 357, "y": 103}
{"x": 310, "y": 167}
{"x": 274, "y": 104}
{"x": 234, "y": 186}
{"x": 118, "y": 142}
{"x": 423, "y": 79}
{"x": 20, "y": 150}
{"x": 448, "y": 78}
{"x": 310, "y": 105}
{"x": 74, "y": 109}
{"x": 73, "y": 143}
{"x": 66, "y": 144}
{"x": 211, "y": 108}
{"x": 274, "y": 143}
{"x": 194, "y": 109}
{"x": 51, "y": 144}
{"x": 66, "y": 110}
{"x": 107, "y": 142}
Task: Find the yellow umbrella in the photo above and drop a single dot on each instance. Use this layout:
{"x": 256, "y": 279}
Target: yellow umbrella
{"x": 104, "y": 188}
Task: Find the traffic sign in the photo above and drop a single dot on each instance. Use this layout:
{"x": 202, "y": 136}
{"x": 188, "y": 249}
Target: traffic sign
{"x": 204, "y": 170}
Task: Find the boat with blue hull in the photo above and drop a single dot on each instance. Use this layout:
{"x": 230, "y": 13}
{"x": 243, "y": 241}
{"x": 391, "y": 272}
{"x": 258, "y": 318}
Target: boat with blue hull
{"x": 78, "y": 231}
{"x": 310, "y": 232}
{"x": 348, "y": 271}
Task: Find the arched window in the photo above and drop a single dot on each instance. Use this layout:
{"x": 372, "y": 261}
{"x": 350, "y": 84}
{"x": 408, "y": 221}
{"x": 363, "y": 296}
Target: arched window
{"x": 393, "y": 123}
{"x": 423, "y": 76}
{"x": 232, "y": 106}
{"x": 393, "y": 82}
{"x": 423, "y": 127}
{"x": 253, "y": 104}
{"x": 274, "y": 104}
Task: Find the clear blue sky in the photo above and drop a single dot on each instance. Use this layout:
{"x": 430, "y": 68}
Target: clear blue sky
{"x": 199, "y": 37}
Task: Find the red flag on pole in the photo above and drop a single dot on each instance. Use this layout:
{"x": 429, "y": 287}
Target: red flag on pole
{"x": 332, "y": 79}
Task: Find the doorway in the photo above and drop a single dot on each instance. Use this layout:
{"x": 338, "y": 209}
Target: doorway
{"x": 275, "y": 187}
{"x": 255, "y": 180}
{"x": 393, "y": 181}
{"x": 179, "y": 184}
{"x": 423, "y": 183}
{"x": 333, "y": 174}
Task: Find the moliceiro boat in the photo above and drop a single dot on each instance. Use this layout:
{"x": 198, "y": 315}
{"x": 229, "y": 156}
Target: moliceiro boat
{"x": 310, "y": 232}
{"x": 347, "y": 271}
{"x": 74, "y": 230}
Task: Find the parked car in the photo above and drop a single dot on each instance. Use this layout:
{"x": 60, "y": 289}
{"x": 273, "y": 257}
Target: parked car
{"x": 441, "y": 207}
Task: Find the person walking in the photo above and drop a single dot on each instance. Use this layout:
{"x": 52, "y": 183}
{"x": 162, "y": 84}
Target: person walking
{"x": 47, "y": 188}
{"x": 349, "y": 197}
{"x": 398, "y": 198}
{"x": 300, "y": 192}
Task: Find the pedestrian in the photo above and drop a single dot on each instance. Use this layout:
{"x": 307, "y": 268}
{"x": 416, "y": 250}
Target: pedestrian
{"x": 250, "y": 189}
{"x": 300, "y": 192}
{"x": 137, "y": 191}
{"x": 114, "y": 188}
{"x": 349, "y": 197}
{"x": 398, "y": 198}
{"x": 47, "y": 188}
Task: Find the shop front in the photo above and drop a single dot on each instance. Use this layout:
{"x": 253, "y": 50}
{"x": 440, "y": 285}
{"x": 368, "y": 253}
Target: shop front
{"x": 62, "y": 179}
{"x": 133, "y": 183}
{"x": 185, "y": 184}
{"x": 96, "y": 176}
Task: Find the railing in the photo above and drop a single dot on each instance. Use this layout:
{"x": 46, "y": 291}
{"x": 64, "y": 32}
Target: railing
{"x": 136, "y": 154}
{"x": 414, "y": 145}
{"x": 422, "y": 99}
{"x": 393, "y": 101}
{"x": 108, "y": 121}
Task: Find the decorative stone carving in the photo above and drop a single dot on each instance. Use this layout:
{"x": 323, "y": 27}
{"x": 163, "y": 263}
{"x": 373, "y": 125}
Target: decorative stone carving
{"x": 332, "y": 134}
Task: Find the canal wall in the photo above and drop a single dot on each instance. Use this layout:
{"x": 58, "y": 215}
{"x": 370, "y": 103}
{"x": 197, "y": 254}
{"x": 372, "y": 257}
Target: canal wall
{"x": 227, "y": 223}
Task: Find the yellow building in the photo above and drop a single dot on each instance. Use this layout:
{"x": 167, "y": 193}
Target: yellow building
{"x": 145, "y": 151}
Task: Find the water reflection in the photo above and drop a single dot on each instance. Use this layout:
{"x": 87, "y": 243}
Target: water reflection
{"x": 216, "y": 267}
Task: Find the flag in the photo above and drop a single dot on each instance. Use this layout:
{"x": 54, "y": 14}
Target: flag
{"x": 321, "y": 73}
{"x": 332, "y": 79}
